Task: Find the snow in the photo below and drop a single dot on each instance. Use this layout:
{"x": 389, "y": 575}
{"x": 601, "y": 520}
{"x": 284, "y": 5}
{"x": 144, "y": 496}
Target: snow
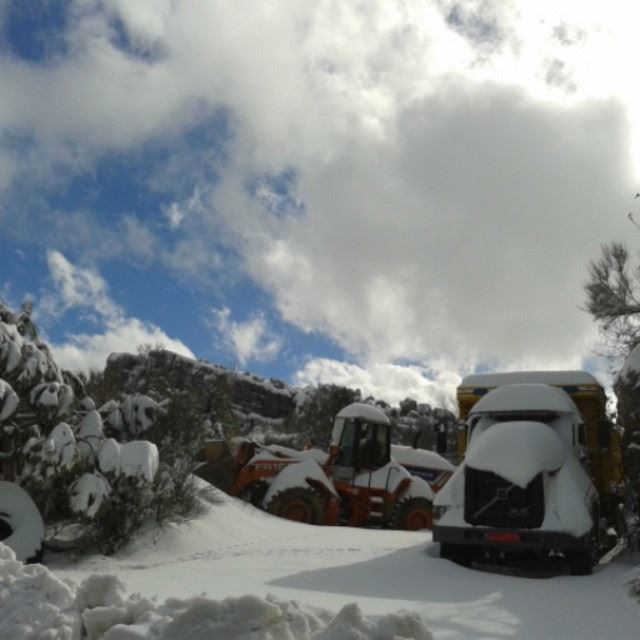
{"x": 555, "y": 378}
{"x": 109, "y": 457}
{"x": 525, "y": 397}
{"x": 88, "y": 492}
{"x": 22, "y": 515}
{"x": 35, "y": 604}
{"x": 282, "y": 580}
{"x": 364, "y": 411}
{"x": 406, "y": 455}
{"x": 60, "y": 447}
{"x": 631, "y": 364}
{"x": 295, "y": 475}
{"x": 8, "y": 400}
{"x": 90, "y": 434}
{"x": 11, "y": 344}
{"x": 517, "y": 451}
{"x": 52, "y": 394}
{"x": 139, "y": 412}
{"x": 139, "y": 459}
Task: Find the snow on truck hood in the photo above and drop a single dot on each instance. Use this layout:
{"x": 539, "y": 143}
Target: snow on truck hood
{"x": 525, "y": 397}
{"x": 517, "y": 451}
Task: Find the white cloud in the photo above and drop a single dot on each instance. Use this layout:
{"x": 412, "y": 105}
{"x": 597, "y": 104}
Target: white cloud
{"x": 77, "y": 288}
{"x": 90, "y": 351}
{"x": 384, "y": 381}
{"x": 247, "y": 341}
{"x": 453, "y": 184}
{"x": 85, "y": 288}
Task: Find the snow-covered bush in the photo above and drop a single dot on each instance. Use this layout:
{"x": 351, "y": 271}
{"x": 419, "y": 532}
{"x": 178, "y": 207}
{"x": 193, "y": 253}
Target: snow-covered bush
{"x": 52, "y": 441}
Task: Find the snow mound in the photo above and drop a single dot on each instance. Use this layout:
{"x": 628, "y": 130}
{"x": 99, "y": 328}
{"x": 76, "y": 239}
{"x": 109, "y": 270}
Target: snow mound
{"x": 409, "y": 456}
{"x": 36, "y": 604}
{"x": 517, "y": 451}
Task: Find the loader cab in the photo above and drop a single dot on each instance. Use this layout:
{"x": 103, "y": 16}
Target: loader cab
{"x": 361, "y": 438}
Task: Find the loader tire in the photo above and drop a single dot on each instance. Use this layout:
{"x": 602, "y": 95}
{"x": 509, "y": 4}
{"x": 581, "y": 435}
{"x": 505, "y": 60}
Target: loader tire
{"x": 299, "y": 504}
{"x": 413, "y": 514}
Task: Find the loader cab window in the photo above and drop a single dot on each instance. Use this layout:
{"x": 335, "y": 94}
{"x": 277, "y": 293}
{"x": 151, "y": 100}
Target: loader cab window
{"x": 363, "y": 445}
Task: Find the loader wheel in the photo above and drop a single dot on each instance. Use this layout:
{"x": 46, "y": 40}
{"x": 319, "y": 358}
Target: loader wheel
{"x": 299, "y": 504}
{"x": 413, "y": 514}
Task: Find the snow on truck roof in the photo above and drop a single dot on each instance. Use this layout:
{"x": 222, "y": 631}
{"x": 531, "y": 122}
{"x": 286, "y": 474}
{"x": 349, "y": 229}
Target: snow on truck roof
{"x": 555, "y": 378}
{"x": 364, "y": 411}
{"x": 525, "y": 397}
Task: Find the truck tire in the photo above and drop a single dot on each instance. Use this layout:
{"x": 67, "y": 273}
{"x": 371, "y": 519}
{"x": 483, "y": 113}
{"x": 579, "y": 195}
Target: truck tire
{"x": 461, "y": 554}
{"x": 21, "y": 526}
{"x": 413, "y": 514}
{"x": 580, "y": 562}
{"x": 299, "y": 504}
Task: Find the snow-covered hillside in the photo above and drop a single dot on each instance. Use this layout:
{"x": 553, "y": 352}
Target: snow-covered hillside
{"x": 238, "y": 573}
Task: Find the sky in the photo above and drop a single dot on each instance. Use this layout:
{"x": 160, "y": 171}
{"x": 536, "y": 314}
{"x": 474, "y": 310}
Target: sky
{"x": 382, "y": 195}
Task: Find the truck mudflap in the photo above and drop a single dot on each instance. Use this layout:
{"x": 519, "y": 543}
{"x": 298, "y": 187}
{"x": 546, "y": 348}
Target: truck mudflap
{"x": 511, "y": 539}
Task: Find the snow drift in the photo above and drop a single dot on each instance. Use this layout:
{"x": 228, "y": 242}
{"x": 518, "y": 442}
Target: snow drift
{"x": 35, "y": 604}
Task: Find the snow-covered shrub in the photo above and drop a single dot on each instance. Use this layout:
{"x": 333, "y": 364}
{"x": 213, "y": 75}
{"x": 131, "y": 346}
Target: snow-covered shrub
{"x": 52, "y": 438}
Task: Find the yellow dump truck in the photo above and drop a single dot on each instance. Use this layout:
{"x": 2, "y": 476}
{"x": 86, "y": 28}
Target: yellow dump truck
{"x": 540, "y": 471}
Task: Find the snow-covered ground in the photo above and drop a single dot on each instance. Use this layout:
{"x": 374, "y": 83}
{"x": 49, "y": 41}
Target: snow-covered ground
{"x": 305, "y": 580}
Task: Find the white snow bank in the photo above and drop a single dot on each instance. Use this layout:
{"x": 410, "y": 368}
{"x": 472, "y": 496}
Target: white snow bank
{"x": 517, "y": 451}
{"x": 34, "y": 604}
{"x": 406, "y": 455}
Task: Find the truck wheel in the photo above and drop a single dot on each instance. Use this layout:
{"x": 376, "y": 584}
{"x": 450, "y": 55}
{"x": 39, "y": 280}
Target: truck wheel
{"x": 21, "y": 526}
{"x": 580, "y": 562}
{"x": 413, "y": 514}
{"x": 299, "y": 504}
{"x": 461, "y": 554}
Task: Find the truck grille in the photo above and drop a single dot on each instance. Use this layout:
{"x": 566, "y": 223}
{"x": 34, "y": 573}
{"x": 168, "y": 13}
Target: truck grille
{"x": 492, "y": 501}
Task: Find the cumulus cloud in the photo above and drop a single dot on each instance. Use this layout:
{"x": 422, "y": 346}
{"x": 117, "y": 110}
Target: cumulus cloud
{"x": 85, "y": 289}
{"x": 449, "y": 187}
{"x": 247, "y": 341}
{"x": 84, "y": 352}
{"x": 390, "y": 382}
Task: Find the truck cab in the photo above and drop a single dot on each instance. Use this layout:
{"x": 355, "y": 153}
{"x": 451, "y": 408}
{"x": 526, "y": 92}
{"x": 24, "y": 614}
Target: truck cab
{"x": 536, "y": 477}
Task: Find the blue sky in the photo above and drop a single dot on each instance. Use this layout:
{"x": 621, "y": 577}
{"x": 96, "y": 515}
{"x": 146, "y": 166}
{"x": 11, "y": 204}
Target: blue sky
{"x": 387, "y": 196}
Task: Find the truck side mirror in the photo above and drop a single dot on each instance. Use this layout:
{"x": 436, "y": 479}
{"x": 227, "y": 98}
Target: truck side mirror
{"x": 604, "y": 433}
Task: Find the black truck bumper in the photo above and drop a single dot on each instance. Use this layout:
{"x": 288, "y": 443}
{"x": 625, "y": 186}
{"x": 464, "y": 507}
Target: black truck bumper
{"x": 513, "y": 539}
